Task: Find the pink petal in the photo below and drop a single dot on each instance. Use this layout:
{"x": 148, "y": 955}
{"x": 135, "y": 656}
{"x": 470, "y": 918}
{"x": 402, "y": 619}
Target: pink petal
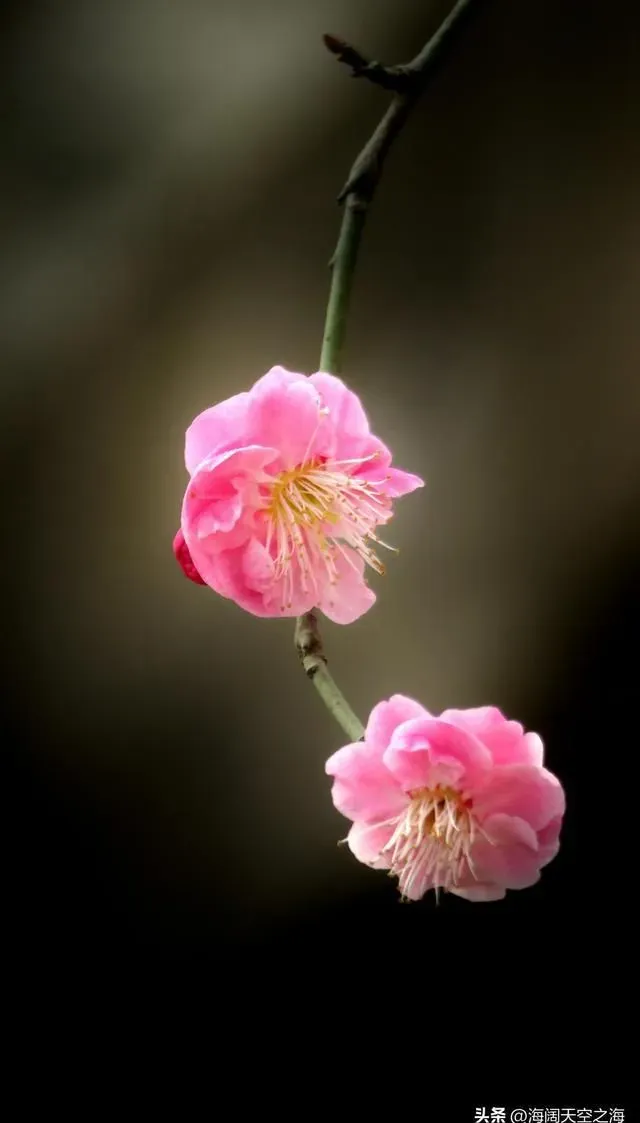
{"x": 506, "y": 740}
{"x": 221, "y": 477}
{"x": 418, "y": 746}
{"x": 401, "y": 483}
{"x": 345, "y": 408}
{"x": 513, "y": 865}
{"x": 222, "y": 572}
{"x": 217, "y": 511}
{"x": 354, "y": 438}
{"x": 277, "y": 376}
{"x": 363, "y": 788}
{"x": 350, "y": 597}
{"x": 218, "y": 515}
{"x": 419, "y": 767}
{"x": 376, "y": 458}
{"x": 530, "y": 793}
{"x": 386, "y": 716}
{"x": 214, "y": 429}
{"x": 377, "y": 468}
{"x": 241, "y": 574}
{"x": 549, "y": 841}
{"x": 367, "y": 841}
{"x": 284, "y": 412}
{"x": 480, "y": 892}
{"x": 287, "y": 595}
{"x": 257, "y": 567}
{"x": 507, "y": 830}
{"x": 533, "y": 749}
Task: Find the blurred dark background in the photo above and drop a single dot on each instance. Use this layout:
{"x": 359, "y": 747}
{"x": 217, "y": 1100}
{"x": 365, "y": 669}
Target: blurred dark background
{"x": 167, "y": 207}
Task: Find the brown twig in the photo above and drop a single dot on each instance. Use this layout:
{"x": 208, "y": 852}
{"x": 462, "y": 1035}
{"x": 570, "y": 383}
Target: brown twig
{"x": 407, "y": 83}
{"x": 396, "y": 78}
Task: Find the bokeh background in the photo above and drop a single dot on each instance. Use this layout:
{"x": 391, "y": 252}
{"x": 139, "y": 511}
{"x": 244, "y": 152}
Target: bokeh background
{"x": 168, "y": 184}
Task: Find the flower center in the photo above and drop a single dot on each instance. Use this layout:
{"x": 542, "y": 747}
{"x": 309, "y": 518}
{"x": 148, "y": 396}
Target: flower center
{"x": 431, "y": 844}
{"x": 314, "y": 511}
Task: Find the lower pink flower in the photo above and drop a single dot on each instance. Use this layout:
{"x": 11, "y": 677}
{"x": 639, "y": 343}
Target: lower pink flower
{"x": 287, "y": 489}
{"x": 460, "y": 802}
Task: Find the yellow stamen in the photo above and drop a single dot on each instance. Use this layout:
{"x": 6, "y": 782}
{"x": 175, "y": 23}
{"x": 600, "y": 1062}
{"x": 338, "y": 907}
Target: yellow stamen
{"x": 315, "y": 513}
{"x": 431, "y": 844}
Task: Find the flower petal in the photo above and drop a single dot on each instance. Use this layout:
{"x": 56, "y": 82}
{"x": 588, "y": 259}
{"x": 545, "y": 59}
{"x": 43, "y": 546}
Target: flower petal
{"x": 549, "y": 841}
{"x": 401, "y": 483}
{"x": 347, "y": 415}
{"x": 216, "y": 429}
{"x": 218, "y": 511}
{"x": 222, "y": 571}
{"x": 418, "y": 746}
{"x": 277, "y": 376}
{"x": 284, "y": 412}
{"x": 511, "y": 864}
{"x": 363, "y": 788}
{"x": 530, "y": 793}
{"x": 288, "y": 595}
{"x": 367, "y": 841}
{"x": 257, "y": 567}
{"x": 507, "y": 830}
{"x": 219, "y": 516}
{"x": 480, "y": 892}
{"x": 350, "y": 597}
{"x": 506, "y": 740}
{"x": 377, "y": 468}
{"x": 222, "y": 476}
{"x": 242, "y": 574}
{"x": 422, "y": 767}
{"x": 386, "y": 716}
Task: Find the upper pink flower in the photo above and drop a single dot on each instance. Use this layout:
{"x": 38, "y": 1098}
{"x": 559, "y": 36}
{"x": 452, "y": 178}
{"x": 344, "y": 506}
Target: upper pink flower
{"x": 287, "y": 488}
{"x": 459, "y": 802}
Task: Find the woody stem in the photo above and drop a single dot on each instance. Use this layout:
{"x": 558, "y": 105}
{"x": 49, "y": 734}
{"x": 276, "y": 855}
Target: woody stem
{"x": 356, "y": 196}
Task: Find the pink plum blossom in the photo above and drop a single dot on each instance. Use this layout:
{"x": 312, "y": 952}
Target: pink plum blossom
{"x": 460, "y": 802}
{"x": 287, "y": 489}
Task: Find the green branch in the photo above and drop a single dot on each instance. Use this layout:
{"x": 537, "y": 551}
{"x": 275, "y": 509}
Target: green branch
{"x": 407, "y": 82}
{"x": 343, "y": 266}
